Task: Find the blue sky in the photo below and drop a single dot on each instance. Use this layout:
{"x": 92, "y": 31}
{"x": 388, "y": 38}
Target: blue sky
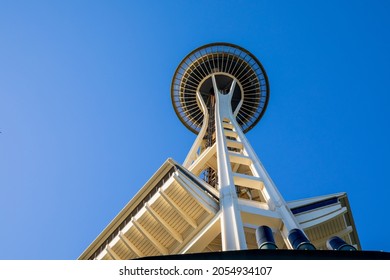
{"x": 86, "y": 116}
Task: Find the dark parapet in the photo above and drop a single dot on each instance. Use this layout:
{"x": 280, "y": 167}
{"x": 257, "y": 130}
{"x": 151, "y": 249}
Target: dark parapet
{"x": 280, "y": 254}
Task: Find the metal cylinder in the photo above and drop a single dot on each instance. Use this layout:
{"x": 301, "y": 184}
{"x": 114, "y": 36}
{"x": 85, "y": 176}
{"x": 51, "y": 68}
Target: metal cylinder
{"x": 299, "y": 241}
{"x": 265, "y": 239}
{"x": 336, "y": 243}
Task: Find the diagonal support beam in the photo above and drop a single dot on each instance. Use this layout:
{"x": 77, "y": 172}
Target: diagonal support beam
{"x": 193, "y": 192}
{"x": 153, "y": 240}
{"x": 130, "y": 245}
{"x": 112, "y": 253}
{"x": 174, "y": 205}
{"x": 162, "y": 222}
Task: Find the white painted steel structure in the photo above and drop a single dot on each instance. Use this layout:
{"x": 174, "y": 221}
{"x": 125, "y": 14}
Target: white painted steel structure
{"x": 232, "y": 229}
{"x": 222, "y": 192}
{"x": 233, "y": 150}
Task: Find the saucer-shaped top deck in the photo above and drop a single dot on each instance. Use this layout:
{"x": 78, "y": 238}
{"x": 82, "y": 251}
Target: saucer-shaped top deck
{"x": 226, "y": 62}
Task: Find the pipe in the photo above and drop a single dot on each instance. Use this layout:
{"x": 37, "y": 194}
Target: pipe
{"x": 265, "y": 239}
{"x": 336, "y": 243}
{"x": 299, "y": 241}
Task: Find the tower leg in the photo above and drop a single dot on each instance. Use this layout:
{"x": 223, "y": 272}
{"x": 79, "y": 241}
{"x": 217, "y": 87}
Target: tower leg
{"x": 232, "y": 230}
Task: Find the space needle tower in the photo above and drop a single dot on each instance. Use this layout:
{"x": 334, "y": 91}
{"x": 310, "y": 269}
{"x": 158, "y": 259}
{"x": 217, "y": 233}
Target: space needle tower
{"x": 219, "y": 92}
{"x": 221, "y": 198}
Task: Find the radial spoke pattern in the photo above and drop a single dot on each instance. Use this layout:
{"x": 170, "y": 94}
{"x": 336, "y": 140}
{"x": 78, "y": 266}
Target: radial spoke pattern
{"x": 224, "y": 60}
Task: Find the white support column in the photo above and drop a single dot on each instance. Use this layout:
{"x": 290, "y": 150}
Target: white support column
{"x": 232, "y": 230}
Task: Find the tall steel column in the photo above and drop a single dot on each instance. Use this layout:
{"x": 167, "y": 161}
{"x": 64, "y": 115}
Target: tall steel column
{"x": 232, "y": 231}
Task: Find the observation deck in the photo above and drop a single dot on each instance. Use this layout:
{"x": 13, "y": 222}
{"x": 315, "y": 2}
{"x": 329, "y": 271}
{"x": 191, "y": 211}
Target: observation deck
{"x": 227, "y": 62}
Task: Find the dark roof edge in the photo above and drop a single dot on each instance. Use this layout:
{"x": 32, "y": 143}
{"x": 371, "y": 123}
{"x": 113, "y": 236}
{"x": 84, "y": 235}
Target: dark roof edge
{"x": 281, "y": 254}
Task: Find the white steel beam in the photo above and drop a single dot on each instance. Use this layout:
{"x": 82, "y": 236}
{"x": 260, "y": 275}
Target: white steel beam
{"x": 178, "y": 209}
{"x": 270, "y": 192}
{"x": 239, "y": 158}
{"x": 130, "y": 245}
{"x": 248, "y": 181}
{"x": 153, "y": 240}
{"x": 193, "y": 154}
{"x": 198, "y": 165}
{"x": 232, "y": 230}
{"x": 112, "y": 253}
{"x": 204, "y": 237}
{"x": 234, "y": 144}
{"x": 228, "y": 125}
{"x": 204, "y": 201}
{"x": 230, "y": 133}
{"x": 162, "y": 222}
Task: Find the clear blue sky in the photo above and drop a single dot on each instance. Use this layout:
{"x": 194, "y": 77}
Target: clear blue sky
{"x": 86, "y": 116}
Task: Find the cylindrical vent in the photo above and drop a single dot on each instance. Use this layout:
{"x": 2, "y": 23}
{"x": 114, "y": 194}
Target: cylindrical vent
{"x": 299, "y": 241}
{"x": 336, "y": 243}
{"x": 265, "y": 238}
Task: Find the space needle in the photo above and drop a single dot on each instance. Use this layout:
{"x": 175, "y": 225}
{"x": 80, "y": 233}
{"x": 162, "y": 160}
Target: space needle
{"x": 221, "y": 198}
